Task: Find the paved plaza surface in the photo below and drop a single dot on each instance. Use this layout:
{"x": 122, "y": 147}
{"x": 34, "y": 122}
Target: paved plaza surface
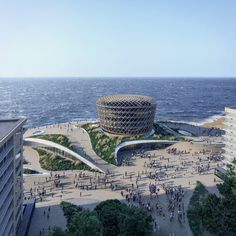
{"x": 181, "y": 164}
{"x": 32, "y": 157}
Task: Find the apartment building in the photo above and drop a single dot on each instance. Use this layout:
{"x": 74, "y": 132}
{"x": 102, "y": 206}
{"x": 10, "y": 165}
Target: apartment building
{"x": 230, "y": 134}
{"x": 11, "y": 175}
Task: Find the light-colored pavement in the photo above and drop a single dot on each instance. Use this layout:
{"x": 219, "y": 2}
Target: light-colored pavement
{"x": 185, "y": 175}
{"x": 32, "y": 157}
{"x": 46, "y": 217}
{"x": 85, "y": 143}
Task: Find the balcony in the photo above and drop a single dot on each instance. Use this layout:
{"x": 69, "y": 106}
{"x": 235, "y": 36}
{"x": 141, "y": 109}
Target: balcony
{"x": 230, "y": 152}
{"x": 231, "y": 126}
{"x": 5, "y": 192}
{"x": 5, "y": 179}
{"x": 4, "y": 167}
{"x": 5, "y": 207}
{"x": 6, "y": 151}
{"x": 6, "y": 221}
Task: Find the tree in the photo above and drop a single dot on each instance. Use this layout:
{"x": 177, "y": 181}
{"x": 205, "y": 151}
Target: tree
{"x": 119, "y": 219}
{"x": 69, "y": 210}
{"x": 217, "y": 214}
{"x": 109, "y": 218}
{"x": 108, "y": 213}
{"x": 84, "y": 224}
{"x": 135, "y": 221}
{"x": 57, "y": 232}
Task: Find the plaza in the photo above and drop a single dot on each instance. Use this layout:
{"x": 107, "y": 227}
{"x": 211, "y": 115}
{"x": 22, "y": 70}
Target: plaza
{"x": 173, "y": 170}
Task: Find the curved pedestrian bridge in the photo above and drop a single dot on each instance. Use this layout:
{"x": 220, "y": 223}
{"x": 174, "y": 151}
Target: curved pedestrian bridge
{"x": 141, "y": 144}
{"x": 60, "y": 150}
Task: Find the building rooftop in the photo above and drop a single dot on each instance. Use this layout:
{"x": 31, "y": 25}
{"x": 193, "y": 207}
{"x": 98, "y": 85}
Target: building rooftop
{"x": 9, "y": 125}
{"x": 126, "y": 100}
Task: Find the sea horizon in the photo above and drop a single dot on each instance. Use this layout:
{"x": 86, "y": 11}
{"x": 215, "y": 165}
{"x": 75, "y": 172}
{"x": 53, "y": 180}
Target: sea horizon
{"x": 45, "y": 101}
{"x": 199, "y": 78}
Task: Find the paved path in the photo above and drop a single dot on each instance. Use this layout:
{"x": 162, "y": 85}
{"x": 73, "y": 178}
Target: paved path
{"x": 43, "y": 219}
{"x": 85, "y": 144}
{"x": 32, "y": 157}
{"x": 81, "y": 141}
{"x": 186, "y": 176}
{"x": 60, "y": 150}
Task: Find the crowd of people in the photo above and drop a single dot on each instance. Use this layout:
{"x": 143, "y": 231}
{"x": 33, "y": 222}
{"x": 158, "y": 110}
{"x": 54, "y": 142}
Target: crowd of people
{"x": 152, "y": 187}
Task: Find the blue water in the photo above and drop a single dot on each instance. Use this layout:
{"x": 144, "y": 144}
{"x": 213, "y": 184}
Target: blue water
{"x": 48, "y": 101}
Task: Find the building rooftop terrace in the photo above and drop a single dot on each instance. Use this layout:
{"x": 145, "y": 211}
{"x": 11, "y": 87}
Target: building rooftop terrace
{"x": 9, "y": 125}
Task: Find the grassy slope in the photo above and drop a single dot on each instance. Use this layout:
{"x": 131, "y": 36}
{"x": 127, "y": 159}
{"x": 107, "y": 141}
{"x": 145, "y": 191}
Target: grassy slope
{"x": 104, "y": 146}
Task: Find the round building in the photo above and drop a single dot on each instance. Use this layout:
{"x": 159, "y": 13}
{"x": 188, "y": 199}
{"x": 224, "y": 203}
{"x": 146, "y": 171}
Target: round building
{"x": 126, "y": 114}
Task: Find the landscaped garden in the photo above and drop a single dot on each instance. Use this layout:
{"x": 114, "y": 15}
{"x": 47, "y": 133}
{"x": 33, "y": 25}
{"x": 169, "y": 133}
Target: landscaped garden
{"x": 53, "y": 162}
{"x": 105, "y": 145}
{"x": 25, "y": 162}
{"x": 208, "y": 212}
{"x": 56, "y": 138}
{"x": 109, "y": 218}
{"x": 30, "y": 172}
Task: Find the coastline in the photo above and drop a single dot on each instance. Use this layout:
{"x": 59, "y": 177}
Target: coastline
{"x": 218, "y": 123}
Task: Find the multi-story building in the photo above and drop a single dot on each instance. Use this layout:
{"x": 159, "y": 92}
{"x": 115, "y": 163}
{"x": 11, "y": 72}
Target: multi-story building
{"x": 230, "y": 134}
{"x": 11, "y": 175}
{"x": 126, "y": 114}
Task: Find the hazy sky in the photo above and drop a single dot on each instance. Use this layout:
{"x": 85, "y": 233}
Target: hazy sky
{"x": 117, "y": 38}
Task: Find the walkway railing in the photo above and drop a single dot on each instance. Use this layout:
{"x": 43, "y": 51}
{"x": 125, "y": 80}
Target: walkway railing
{"x": 61, "y": 150}
{"x": 139, "y": 142}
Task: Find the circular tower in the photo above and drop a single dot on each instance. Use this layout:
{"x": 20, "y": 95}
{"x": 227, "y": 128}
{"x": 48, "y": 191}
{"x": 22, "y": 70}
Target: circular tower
{"x": 126, "y": 114}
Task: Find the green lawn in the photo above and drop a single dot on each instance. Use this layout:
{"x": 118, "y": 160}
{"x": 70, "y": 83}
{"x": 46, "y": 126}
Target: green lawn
{"x": 56, "y": 138}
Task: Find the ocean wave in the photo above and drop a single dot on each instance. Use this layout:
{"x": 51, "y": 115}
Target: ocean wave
{"x": 196, "y": 104}
{"x": 200, "y": 122}
{"x": 211, "y": 119}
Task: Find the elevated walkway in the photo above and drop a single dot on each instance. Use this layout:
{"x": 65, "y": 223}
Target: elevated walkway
{"x": 138, "y": 143}
{"x": 60, "y": 150}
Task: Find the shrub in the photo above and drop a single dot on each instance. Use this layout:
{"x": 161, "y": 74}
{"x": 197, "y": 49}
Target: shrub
{"x": 104, "y": 146}
{"x": 52, "y": 162}
{"x": 29, "y": 171}
{"x": 25, "y": 162}
{"x": 56, "y": 138}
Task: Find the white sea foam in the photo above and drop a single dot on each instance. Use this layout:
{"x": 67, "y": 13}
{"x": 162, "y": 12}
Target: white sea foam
{"x": 201, "y": 122}
{"x": 211, "y": 119}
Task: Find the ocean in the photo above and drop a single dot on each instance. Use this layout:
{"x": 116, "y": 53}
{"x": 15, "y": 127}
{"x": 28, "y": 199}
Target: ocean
{"x": 49, "y": 101}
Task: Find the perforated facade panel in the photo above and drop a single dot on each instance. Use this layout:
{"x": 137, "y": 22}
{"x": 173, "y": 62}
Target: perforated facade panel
{"x": 126, "y": 114}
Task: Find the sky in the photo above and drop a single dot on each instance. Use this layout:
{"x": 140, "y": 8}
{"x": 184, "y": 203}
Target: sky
{"x": 73, "y": 38}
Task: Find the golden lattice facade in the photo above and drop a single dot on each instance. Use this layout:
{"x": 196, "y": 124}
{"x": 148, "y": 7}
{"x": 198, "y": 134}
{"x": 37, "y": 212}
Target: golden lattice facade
{"x": 126, "y": 114}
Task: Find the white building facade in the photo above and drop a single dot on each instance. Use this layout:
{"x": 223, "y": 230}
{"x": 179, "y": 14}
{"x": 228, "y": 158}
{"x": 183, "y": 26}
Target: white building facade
{"x": 230, "y": 134}
{"x": 11, "y": 175}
